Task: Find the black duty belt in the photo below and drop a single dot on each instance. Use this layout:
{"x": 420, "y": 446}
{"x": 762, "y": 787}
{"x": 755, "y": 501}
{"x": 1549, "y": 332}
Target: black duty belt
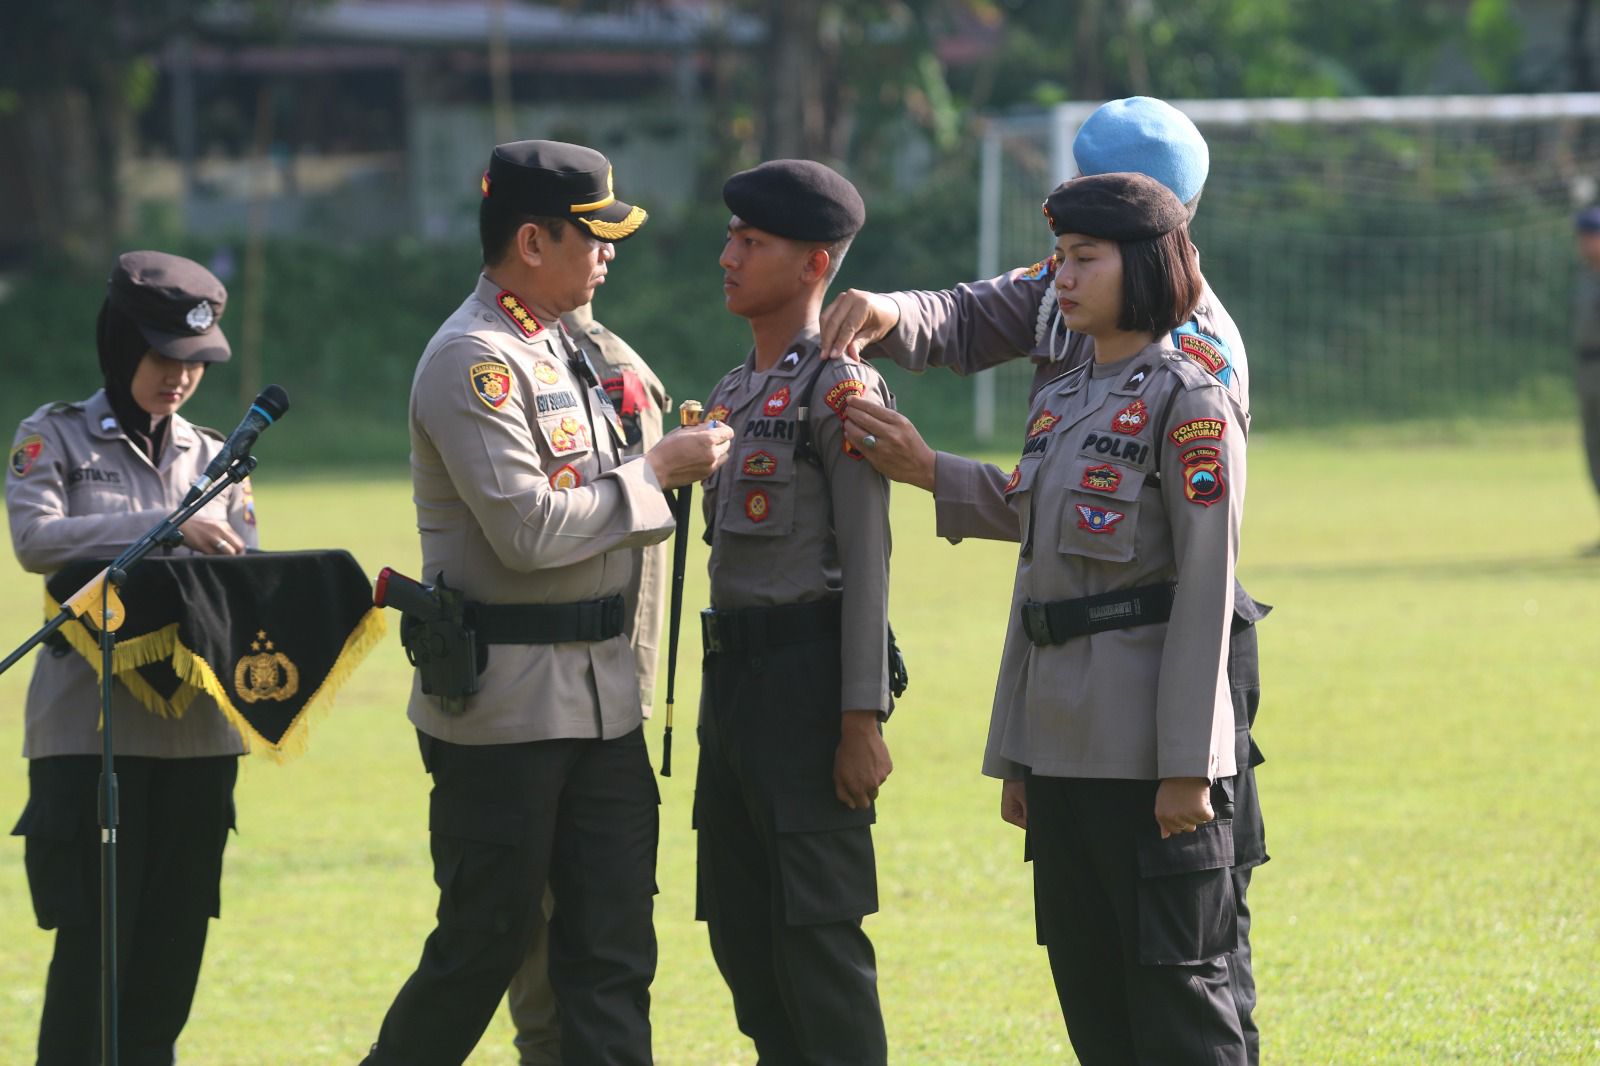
{"x": 754, "y": 629}
{"x": 1052, "y": 623}
{"x": 546, "y": 623}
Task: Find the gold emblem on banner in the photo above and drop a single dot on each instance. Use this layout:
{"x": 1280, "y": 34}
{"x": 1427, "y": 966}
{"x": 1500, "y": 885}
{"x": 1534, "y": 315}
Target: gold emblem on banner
{"x": 266, "y": 675}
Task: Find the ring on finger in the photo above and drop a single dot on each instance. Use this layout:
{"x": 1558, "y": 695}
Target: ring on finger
{"x": 869, "y": 441}
{"x": 220, "y": 545}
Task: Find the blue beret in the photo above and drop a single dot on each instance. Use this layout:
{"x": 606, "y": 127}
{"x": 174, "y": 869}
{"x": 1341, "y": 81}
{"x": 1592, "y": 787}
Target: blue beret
{"x": 796, "y": 198}
{"x": 1146, "y": 135}
{"x": 1588, "y": 220}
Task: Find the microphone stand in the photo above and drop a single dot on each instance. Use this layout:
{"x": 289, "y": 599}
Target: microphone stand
{"x": 98, "y": 605}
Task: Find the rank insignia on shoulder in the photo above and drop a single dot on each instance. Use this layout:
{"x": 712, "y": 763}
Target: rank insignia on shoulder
{"x": 1198, "y": 429}
{"x": 1098, "y": 519}
{"x": 1044, "y": 268}
{"x": 545, "y": 374}
{"x": 776, "y": 403}
{"x": 1102, "y": 478}
{"x": 1014, "y": 480}
{"x": 1136, "y": 377}
{"x": 519, "y": 314}
{"x": 1206, "y": 350}
{"x": 1043, "y": 424}
{"x": 566, "y": 478}
{"x": 760, "y": 464}
{"x": 26, "y": 453}
{"x": 757, "y": 506}
{"x": 718, "y": 413}
{"x": 789, "y": 361}
{"x": 1202, "y": 477}
{"x": 491, "y": 383}
{"x": 842, "y": 391}
{"x": 1132, "y": 418}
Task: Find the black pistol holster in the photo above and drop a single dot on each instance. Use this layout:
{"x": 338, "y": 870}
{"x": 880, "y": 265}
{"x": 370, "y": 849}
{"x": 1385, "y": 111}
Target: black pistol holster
{"x": 436, "y": 636}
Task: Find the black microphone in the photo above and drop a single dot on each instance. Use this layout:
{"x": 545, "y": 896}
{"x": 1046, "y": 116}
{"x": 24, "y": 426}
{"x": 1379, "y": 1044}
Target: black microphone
{"x": 271, "y": 404}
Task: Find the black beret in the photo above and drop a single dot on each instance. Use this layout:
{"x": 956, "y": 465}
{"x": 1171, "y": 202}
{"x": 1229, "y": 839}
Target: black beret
{"x": 797, "y": 199}
{"x": 1114, "y": 207}
{"x": 561, "y": 180}
{"x": 174, "y": 301}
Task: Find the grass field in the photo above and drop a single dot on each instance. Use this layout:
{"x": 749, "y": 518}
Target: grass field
{"x": 1430, "y": 717}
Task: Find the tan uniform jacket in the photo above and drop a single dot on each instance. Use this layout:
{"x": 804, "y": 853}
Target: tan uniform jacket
{"x": 1150, "y": 701}
{"x": 78, "y": 488}
{"x": 973, "y": 327}
{"x": 782, "y": 531}
{"x": 647, "y": 594}
{"x": 522, "y": 497}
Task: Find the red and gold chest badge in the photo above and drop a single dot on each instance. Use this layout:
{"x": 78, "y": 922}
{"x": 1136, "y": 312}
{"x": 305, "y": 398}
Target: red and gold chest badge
{"x": 491, "y": 383}
{"x": 841, "y": 392}
{"x": 566, "y": 478}
{"x": 1102, "y": 478}
{"x": 1202, "y": 476}
{"x": 1043, "y": 424}
{"x": 546, "y": 374}
{"x": 776, "y": 403}
{"x": 1014, "y": 480}
{"x": 1132, "y": 418}
{"x": 568, "y": 435}
{"x": 757, "y": 505}
{"x": 26, "y": 453}
{"x": 1198, "y": 429}
{"x": 760, "y": 464}
{"x": 519, "y": 314}
{"x": 718, "y": 413}
{"x": 1098, "y": 519}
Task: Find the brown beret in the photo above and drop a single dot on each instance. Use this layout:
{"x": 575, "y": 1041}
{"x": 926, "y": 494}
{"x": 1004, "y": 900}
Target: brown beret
{"x": 1114, "y": 207}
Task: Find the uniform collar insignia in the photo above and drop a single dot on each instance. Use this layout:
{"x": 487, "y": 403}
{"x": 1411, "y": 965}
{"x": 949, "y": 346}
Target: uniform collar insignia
{"x": 522, "y": 318}
{"x": 1136, "y": 379}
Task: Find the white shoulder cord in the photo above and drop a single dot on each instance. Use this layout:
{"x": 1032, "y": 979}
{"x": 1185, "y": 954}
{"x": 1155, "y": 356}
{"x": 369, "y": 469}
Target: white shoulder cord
{"x": 1049, "y": 322}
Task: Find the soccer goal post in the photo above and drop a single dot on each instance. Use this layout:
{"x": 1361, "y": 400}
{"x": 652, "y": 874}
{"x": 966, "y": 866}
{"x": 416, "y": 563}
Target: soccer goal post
{"x": 1383, "y": 257}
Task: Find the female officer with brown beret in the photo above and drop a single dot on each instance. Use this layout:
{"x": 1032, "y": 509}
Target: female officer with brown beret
{"x": 1112, "y": 724}
{"x": 85, "y": 480}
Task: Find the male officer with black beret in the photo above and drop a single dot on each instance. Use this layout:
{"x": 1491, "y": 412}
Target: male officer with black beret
{"x": 796, "y": 681}
{"x": 527, "y": 505}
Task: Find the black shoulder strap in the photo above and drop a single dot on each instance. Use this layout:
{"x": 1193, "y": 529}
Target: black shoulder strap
{"x": 804, "y": 447}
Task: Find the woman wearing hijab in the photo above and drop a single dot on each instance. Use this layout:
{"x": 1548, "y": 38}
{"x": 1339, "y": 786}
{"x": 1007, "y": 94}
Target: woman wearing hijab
{"x": 85, "y": 480}
{"x": 1112, "y": 725}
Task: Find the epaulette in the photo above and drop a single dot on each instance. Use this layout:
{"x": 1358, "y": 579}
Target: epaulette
{"x": 1192, "y": 376}
{"x": 209, "y": 432}
{"x": 61, "y": 407}
{"x": 1211, "y": 353}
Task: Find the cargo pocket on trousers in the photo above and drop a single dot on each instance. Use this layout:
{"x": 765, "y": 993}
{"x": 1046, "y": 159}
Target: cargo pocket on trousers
{"x": 825, "y": 858}
{"x": 53, "y": 855}
{"x": 1186, "y": 905}
{"x": 473, "y": 859}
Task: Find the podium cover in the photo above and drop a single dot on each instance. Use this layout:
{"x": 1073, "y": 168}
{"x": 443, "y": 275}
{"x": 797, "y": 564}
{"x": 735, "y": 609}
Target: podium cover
{"x": 269, "y": 635}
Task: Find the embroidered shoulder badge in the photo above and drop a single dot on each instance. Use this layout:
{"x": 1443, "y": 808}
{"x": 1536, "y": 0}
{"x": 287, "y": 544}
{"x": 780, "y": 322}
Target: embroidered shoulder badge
{"x": 491, "y": 383}
{"x": 760, "y": 464}
{"x": 1202, "y": 476}
{"x": 1102, "y": 478}
{"x": 1206, "y": 350}
{"x": 1014, "y": 480}
{"x": 1198, "y": 429}
{"x": 1043, "y": 424}
{"x": 546, "y": 374}
{"x": 566, "y": 478}
{"x": 26, "y": 453}
{"x": 843, "y": 391}
{"x": 1132, "y": 418}
{"x": 519, "y": 314}
{"x": 776, "y": 403}
{"x": 1044, "y": 268}
{"x": 757, "y": 506}
{"x": 1098, "y": 519}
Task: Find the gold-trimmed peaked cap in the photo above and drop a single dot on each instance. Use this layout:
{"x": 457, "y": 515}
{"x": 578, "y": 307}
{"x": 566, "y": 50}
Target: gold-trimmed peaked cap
{"x": 561, "y": 180}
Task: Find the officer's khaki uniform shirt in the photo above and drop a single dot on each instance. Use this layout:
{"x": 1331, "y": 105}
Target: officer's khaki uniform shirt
{"x": 783, "y": 531}
{"x": 523, "y": 496}
{"x": 1149, "y": 701}
{"x": 78, "y": 488}
{"x": 973, "y": 327}
{"x": 646, "y": 595}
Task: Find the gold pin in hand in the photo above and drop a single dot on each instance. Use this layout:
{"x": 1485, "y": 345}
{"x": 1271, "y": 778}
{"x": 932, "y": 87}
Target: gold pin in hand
{"x": 690, "y": 413}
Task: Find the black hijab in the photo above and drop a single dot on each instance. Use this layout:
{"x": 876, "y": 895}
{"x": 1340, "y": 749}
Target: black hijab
{"x": 122, "y": 348}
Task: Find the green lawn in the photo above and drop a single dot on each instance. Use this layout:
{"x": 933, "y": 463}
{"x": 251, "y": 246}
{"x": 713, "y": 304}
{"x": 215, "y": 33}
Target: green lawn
{"x": 1430, "y": 716}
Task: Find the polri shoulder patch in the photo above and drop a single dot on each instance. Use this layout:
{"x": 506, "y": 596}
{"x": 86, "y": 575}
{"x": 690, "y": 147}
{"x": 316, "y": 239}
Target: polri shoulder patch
{"x": 842, "y": 391}
{"x": 26, "y": 454}
{"x": 1198, "y": 429}
{"x": 1210, "y": 352}
{"x": 491, "y": 383}
{"x": 519, "y": 314}
{"x": 1044, "y": 268}
{"x": 1202, "y": 476}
